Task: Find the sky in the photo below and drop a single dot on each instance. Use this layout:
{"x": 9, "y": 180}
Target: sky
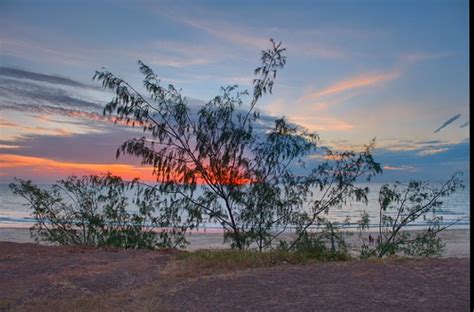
{"x": 394, "y": 70}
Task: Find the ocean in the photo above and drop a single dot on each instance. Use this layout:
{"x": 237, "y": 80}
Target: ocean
{"x": 14, "y": 212}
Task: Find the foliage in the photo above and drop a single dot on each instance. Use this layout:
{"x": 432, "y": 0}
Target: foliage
{"x": 324, "y": 238}
{"x": 214, "y": 166}
{"x": 94, "y": 211}
{"x": 402, "y": 205}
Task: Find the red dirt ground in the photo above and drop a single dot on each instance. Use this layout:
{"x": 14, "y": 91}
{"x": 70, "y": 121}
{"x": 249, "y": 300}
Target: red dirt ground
{"x": 122, "y": 279}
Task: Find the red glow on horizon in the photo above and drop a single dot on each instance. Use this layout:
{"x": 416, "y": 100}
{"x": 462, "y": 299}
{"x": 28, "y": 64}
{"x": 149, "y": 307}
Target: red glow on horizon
{"x": 29, "y": 167}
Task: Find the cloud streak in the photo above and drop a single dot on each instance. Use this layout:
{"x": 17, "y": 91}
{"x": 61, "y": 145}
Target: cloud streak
{"x": 447, "y": 123}
{"x": 399, "y": 168}
{"x": 360, "y": 81}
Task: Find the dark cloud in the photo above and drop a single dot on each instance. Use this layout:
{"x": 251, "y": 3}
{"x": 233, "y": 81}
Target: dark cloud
{"x": 83, "y": 148}
{"x": 448, "y": 122}
{"x": 464, "y": 125}
{"x": 19, "y": 93}
{"x": 23, "y": 74}
{"x": 40, "y": 99}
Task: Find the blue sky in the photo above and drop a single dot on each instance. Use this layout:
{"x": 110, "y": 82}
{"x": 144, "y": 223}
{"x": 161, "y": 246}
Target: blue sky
{"x": 394, "y": 70}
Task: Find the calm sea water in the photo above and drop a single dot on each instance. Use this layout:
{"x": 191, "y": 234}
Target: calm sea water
{"x": 13, "y": 212}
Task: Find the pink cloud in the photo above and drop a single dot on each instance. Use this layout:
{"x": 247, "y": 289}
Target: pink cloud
{"x": 360, "y": 81}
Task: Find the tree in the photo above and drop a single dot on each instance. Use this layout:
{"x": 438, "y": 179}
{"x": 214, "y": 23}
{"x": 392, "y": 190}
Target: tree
{"x": 215, "y": 166}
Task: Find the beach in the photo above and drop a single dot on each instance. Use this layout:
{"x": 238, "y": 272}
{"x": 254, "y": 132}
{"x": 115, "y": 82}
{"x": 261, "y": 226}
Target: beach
{"x": 457, "y": 240}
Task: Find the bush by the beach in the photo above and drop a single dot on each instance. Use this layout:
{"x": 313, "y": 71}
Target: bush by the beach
{"x": 402, "y": 205}
{"x": 95, "y": 211}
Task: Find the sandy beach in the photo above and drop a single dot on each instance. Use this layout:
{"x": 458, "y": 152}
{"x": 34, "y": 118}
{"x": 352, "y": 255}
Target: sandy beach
{"x": 457, "y": 240}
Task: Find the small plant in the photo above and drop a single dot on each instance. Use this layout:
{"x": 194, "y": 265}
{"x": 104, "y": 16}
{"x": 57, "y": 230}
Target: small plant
{"x": 325, "y": 241}
{"x": 95, "y": 211}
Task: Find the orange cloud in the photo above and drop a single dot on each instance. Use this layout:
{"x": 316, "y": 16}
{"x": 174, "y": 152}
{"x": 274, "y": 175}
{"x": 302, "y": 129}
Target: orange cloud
{"x": 364, "y": 80}
{"x": 44, "y": 167}
{"x": 31, "y": 167}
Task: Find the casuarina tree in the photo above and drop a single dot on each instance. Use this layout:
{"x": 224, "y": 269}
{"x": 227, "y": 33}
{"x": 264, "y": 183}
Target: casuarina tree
{"x": 221, "y": 163}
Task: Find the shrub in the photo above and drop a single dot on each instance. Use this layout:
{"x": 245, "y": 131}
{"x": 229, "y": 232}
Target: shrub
{"x": 95, "y": 211}
{"x": 403, "y": 204}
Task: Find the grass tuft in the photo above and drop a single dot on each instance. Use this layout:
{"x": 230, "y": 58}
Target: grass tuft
{"x": 205, "y": 262}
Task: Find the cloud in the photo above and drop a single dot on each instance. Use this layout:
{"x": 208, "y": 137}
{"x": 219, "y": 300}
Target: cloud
{"x": 464, "y": 125}
{"x": 38, "y": 89}
{"x": 432, "y": 151}
{"x": 78, "y": 147}
{"x": 435, "y": 166}
{"x": 43, "y": 168}
{"x": 22, "y": 74}
{"x": 179, "y": 54}
{"x": 9, "y": 146}
{"x": 448, "y": 122}
{"x": 359, "y": 81}
{"x": 421, "y": 147}
{"x": 33, "y": 103}
{"x": 228, "y": 32}
{"x": 320, "y": 123}
{"x": 313, "y": 106}
{"x": 24, "y": 128}
{"x": 422, "y": 56}
{"x": 399, "y": 168}
{"x": 316, "y": 50}
{"x": 246, "y": 36}
{"x": 36, "y": 50}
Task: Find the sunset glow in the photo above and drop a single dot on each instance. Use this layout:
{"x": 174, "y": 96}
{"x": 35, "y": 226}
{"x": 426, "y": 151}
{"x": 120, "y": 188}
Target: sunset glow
{"x": 11, "y": 164}
{"x": 354, "y": 72}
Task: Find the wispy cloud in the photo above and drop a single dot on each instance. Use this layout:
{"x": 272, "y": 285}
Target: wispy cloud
{"x": 360, "y": 81}
{"x": 37, "y": 50}
{"x": 245, "y": 36}
{"x": 399, "y": 168}
{"x": 422, "y": 56}
{"x": 226, "y": 32}
{"x": 432, "y": 151}
{"x": 320, "y": 123}
{"x": 414, "y": 145}
{"x": 35, "y": 129}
